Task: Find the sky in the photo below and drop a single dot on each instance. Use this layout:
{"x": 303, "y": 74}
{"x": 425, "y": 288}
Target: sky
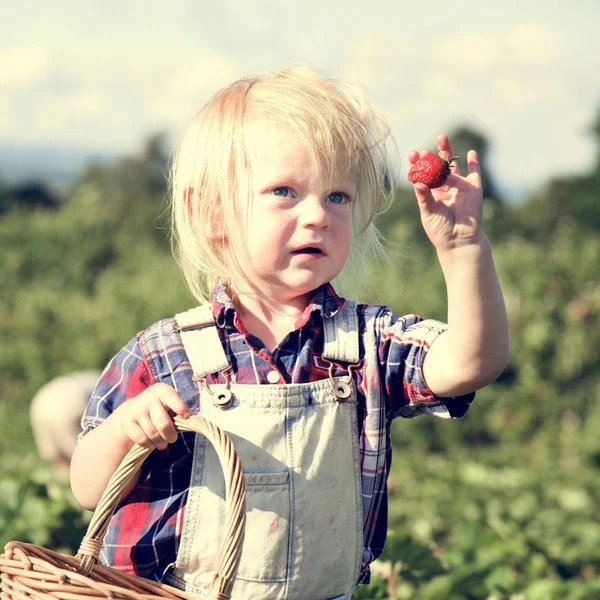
{"x": 103, "y": 76}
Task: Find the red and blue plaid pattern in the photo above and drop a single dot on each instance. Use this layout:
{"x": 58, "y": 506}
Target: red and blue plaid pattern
{"x": 143, "y": 537}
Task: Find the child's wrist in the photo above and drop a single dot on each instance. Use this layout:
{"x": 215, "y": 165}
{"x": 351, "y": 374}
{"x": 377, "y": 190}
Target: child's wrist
{"x": 468, "y": 252}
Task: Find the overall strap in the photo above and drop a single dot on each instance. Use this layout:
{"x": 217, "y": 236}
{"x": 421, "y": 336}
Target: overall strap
{"x": 201, "y": 341}
{"x": 341, "y": 335}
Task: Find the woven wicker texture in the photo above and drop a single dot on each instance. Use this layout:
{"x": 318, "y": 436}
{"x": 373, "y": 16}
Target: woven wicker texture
{"x": 33, "y": 572}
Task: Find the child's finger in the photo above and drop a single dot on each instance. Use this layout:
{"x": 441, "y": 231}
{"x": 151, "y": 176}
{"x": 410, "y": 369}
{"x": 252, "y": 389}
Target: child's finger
{"x": 137, "y": 435}
{"x": 446, "y": 152}
{"x": 473, "y": 166}
{"x": 413, "y": 157}
{"x": 163, "y": 422}
{"x": 427, "y": 203}
{"x": 151, "y": 433}
{"x": 474, "y": 174}
{"x": 171, "y": 399}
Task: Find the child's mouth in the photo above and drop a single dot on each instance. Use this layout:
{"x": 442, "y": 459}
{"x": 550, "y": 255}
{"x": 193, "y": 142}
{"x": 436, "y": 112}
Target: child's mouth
{"x": 308, "y": 250}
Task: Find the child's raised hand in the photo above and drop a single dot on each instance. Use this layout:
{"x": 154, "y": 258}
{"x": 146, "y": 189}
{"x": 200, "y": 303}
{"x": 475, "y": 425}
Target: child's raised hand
{"x": 146, "y": 419}
{"x": 452, "y": 213}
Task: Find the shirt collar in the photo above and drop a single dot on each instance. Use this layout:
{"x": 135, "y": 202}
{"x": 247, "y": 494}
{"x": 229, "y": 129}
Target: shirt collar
{"x": 325, "y": 302}
{"x": 222, "y": 305}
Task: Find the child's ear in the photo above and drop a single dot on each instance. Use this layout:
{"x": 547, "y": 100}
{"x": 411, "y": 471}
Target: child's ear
{"x": 214, "y": 227}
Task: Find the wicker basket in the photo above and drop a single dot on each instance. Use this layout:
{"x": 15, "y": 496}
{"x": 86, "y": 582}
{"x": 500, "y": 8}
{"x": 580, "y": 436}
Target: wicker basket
{"x": 33, "y": 572}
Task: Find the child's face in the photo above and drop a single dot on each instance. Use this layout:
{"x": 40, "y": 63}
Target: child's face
{"x": 300, "y": 228}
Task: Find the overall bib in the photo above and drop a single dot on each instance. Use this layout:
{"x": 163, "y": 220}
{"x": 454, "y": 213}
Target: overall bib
{"x": 298, "y": 446}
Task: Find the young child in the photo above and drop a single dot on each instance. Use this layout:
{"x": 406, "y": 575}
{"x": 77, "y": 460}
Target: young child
{"x": 55, "y": 416}
{"x": 274, "y": 186}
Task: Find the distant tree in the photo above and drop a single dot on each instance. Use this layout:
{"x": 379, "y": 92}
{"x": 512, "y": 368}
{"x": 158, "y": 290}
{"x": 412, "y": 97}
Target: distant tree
{"x": 497, "y": 214}
{"x": 465, "y": 138}
{"x": 567, "y": 199}
{"x": 5, "y": 198}
{"x": 595, "y": 132}
{"x": 130, "y": 191}
{"x": 34, "y": 194}
{"x": 27, "y": 195}
{"x": 155, "y": 158}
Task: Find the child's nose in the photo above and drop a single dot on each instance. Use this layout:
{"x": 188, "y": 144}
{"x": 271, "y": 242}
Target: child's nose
{"x": 314, "y": 213}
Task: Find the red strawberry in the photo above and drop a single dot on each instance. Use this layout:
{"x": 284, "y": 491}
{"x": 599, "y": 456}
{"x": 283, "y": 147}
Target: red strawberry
{"x": 433, "y": 170}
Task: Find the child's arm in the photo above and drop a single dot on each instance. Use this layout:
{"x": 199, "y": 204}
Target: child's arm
{"x": 474, "y": 350}
{"x": 144, "y": 420}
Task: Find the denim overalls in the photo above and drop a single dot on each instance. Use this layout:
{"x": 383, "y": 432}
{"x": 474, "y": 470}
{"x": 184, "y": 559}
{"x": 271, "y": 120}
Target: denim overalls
{"x": 298, "y": 445}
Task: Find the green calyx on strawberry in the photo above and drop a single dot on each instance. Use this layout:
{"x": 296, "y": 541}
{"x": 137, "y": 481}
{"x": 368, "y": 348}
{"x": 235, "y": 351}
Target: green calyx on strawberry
{"x": 432, "y": 170}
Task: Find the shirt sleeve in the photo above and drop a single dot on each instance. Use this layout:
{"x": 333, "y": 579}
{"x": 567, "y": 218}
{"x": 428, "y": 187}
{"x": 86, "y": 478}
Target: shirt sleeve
{"x": 125, "y": 376}
{"x": 403, "y": 346}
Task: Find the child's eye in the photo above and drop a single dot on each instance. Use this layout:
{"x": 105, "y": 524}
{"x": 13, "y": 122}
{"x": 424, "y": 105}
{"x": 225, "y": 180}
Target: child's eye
{"x": 338, "y": 198}
{"x": 282, "y": 191}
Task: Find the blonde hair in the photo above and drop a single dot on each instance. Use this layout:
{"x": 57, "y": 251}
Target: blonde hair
{"x": 210, "y": 175}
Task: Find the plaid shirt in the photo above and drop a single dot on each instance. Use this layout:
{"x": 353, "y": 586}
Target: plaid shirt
{"x": 143, "y": 537}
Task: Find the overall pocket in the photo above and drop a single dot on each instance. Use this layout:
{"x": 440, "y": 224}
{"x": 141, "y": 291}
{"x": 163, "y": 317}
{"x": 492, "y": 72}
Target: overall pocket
{"x": 265, "y": 550}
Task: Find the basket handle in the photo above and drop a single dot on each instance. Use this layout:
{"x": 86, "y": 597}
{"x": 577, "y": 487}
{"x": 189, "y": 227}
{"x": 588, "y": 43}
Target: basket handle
{"x": 235, "y": 498}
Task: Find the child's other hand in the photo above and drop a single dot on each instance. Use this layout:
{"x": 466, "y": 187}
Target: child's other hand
{"x": 451, "y": 214}
{"x": 146, "y": 419}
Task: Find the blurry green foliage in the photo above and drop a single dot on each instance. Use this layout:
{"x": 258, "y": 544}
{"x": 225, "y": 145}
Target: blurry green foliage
{"x": 500, "y": 505}
{"x": 36, "y": 505}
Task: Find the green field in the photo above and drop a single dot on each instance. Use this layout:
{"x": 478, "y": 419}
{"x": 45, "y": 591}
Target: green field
{"x": 503, "y": 504}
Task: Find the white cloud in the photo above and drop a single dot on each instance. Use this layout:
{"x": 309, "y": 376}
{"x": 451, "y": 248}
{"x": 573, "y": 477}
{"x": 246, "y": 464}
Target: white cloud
{"x": 515, "y": 83}
{"x": 535, "y": 44}
{"x": 106, "y": 76}
{"x": 520, "y": 46}
{"x": 191, "y": 85}
{"x": 102, "y": 102}
{"x": 22, "y": 66}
